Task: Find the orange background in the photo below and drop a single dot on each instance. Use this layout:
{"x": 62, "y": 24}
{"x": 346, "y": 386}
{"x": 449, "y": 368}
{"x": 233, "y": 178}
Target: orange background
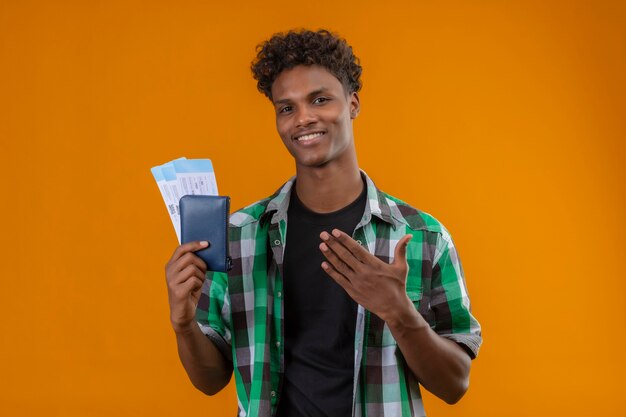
{"x": 503, "y": 119}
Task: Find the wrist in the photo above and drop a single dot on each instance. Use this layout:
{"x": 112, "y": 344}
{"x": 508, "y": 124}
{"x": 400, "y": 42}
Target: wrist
{"x": 405, "y": 316}
{"x": 184, "y": 329}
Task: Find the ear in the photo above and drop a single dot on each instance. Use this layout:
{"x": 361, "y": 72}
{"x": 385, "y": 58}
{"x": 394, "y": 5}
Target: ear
{"x": 355, "y": 105}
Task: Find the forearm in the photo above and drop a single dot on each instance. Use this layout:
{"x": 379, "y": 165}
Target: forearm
{"x": 439, "y": 364}
{"x": 205, "y": 365}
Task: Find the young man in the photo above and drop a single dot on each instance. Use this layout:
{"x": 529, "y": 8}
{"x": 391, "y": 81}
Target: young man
{"x": 342, "y": 300}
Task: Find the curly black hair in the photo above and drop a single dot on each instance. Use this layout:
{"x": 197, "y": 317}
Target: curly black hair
{"x": 305, "y": 47}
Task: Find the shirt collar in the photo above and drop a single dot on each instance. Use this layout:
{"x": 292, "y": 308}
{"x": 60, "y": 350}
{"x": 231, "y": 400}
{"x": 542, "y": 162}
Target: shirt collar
{"x": 377, "y": 204}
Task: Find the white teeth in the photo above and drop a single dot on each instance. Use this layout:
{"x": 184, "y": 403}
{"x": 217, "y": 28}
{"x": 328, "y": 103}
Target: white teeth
{"x": 310, "y": 136}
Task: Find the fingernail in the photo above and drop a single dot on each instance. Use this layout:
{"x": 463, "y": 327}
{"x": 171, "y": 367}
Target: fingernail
{"x": 204, "y": 243}
{"x": 323, "y": 247}
{"x": 336, "y": 233}
{"x": 324, "y": 236}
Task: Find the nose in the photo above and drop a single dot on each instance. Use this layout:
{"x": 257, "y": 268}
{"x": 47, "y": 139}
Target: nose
{"x": 305, "y": 116}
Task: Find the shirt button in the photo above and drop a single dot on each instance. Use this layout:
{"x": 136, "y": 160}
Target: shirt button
{"x": 277, "y": 242}
{"x": 277, "y": 344}
{"x": 358, "y": 241}
{"x": 273, "y": 393}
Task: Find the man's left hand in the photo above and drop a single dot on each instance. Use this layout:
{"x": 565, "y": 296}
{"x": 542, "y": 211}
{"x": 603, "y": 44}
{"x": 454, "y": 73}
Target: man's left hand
{"x": 376, "y": 285}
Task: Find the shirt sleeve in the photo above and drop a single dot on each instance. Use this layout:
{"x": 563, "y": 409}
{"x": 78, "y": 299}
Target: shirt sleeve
{"x": 449, "y": 299}
{"x": 213, "y": 312}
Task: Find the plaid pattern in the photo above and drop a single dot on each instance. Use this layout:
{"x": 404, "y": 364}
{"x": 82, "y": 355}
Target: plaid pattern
{"x": 242, "y": 311}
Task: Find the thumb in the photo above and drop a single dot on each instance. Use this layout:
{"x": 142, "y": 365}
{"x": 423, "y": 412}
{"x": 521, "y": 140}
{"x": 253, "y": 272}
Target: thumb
{"x": 399, "y": 257}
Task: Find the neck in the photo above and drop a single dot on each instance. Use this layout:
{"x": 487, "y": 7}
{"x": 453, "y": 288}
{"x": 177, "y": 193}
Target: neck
{"x": 330, "y": 187}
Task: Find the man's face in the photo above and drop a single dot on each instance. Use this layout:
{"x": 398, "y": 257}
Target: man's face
{"x": 314, "y": 115}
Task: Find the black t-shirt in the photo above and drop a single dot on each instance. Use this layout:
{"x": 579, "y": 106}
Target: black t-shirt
{"x": 319, "y": 319}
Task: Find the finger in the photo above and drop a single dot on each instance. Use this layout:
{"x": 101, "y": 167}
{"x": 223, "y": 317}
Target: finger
{"x": 338, "y": 264}
{"x": 188, "y": 258}
{"x": 358, "y": 251}
{"x": 188, "y": 247}
{"x": 191, "y": 285}
{"x": 332, "y": 249}
{"x": 189, "y": 272}
{"x": 183, "y": 289}
{"x": 338, "y": 277}
{"x": 399, "y": 257}
{"x": 342, "y": 251}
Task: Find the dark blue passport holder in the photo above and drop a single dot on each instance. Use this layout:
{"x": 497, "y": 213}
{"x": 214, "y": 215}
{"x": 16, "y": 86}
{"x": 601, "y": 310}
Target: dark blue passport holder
{"x": 205, "y": 217}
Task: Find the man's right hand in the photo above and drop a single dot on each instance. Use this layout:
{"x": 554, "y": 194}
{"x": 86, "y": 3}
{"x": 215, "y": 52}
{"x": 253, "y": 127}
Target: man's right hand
{"x": 185, "y": 273}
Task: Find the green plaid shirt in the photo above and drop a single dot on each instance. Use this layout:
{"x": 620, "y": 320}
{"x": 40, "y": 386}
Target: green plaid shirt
{"x": 242, "y": 311}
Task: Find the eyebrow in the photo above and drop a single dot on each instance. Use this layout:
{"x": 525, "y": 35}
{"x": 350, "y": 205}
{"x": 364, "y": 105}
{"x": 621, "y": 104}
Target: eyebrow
{"x": 312, "y": 93}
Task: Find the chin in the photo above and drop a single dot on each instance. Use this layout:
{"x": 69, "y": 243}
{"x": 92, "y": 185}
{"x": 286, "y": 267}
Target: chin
{"x": 309, "y": 160}
{"x": 312, "y": 163}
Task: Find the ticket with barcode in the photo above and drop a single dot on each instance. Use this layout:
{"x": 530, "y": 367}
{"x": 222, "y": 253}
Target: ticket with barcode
{"x": 182, "y": 177}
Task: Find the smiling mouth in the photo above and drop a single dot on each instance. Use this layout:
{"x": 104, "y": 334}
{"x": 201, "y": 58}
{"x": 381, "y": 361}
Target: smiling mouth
{"x": 308, "y": 137}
